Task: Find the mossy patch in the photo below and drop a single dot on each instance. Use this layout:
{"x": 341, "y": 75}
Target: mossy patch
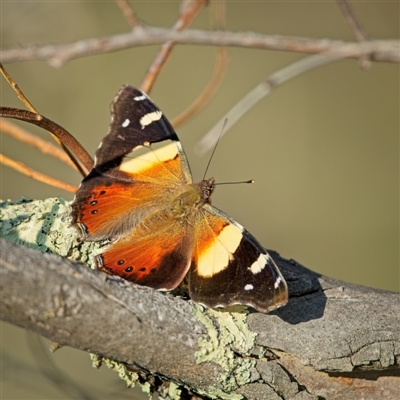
{"x": 229, "y": 343}
{"x": 44, "y": 225}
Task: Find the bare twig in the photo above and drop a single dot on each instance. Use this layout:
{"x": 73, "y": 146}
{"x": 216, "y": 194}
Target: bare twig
{"x": 352, "y": 20}
{"x": 221, "y": 63}
{"x": 23, "y": 169}
{"x": 356, "y": 28}
{"x": 263, "y": 89}
{"x": 129, "y": 13}
{"x": 58, "y": 133}
{"x": 83, "y": 161}
{"x": 189, "y": 10}
{"x": 26, "y": 137}
{"x": 57, "y": 55}
{"x": 218, "y": 12}
{"x": 30, "y": 107}
{"x": 18, "y": 91}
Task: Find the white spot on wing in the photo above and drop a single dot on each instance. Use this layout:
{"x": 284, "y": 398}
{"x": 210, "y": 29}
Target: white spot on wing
{"x": 277, "y": 282}
{"x": 126, "y": 123}
{"x": 140, "y": 98}
{"x": 249, "y": 287}
{"x": 150, "y": 117}
{"x": 259, "y": 264}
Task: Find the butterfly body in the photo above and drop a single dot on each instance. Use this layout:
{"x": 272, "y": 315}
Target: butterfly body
{"x": 162, "y": 226}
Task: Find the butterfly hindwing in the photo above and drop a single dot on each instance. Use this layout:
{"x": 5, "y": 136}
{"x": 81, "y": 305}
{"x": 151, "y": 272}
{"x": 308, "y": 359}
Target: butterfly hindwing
{"x": 230, "y": 267}
{"x": 156, "y": 254}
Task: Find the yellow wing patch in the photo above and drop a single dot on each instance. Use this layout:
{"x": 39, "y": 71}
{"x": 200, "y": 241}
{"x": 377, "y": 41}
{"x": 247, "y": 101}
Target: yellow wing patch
{"x": 140, "y": 164}
{"x": 217, "y": 246}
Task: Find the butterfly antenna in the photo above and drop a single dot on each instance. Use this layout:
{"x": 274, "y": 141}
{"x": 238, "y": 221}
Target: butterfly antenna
{"x": 234, "y": 183}
{"x": 215, "y": 147}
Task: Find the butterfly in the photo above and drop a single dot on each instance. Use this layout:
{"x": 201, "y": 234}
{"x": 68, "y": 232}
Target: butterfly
{"x": 161, "y": 226}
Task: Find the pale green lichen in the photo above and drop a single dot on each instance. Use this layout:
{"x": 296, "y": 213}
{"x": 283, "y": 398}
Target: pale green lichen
{"x": 130, "y": 378}
{"x": 228, "y": 333}
{"x": 174, "y": 391}
{"x": 146, "y": 388}
{"x": 44, "y": 225}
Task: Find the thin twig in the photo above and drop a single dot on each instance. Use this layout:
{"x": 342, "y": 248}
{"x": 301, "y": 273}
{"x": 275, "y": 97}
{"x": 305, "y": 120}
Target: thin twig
{"x": 58, "y": 55}
{"x": 189, "y": 10}
{"x": 279, "y": 77}
{"x": 23, "y": 169}
{"x": 83, "y": 161}
{"x": 352, "y": 20}
{"x": 355, "y": 26}
{"x": 28, "y": 138}
{"x": 54, "y": 129}
{"x": 218, "y": 12}
{"x": 209, "y": 91}
{"x": 18, "y": 91}
{"x": 128, "y": 13}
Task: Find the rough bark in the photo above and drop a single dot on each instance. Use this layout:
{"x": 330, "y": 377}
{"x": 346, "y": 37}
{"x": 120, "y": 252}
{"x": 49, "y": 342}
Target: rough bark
{"x": 333, "y": 340}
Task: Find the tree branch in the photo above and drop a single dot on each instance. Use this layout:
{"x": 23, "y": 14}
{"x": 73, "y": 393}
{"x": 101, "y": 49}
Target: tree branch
{"x": 263, "y": 89}
{"x": 58, "y": 55}
{"x": 333, "y": 339}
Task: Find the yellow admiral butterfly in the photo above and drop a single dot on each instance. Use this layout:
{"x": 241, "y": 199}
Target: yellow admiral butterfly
{"x": 162, "y": 226}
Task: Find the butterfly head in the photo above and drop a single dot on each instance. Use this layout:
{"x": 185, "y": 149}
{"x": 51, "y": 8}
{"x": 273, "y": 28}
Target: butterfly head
{"x": 206, "y": 187}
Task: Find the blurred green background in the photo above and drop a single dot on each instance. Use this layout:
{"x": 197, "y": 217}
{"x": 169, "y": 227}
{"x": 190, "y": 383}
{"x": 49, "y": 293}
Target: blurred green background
{"x": 323, "y": 148}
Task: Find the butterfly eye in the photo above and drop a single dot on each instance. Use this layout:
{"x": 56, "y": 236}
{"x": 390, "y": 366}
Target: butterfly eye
{"x": 206, "y": 193}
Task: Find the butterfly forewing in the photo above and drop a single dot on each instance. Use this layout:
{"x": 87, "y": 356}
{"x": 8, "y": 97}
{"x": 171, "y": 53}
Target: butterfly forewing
{"x": 137, "y": 122}
{"x": 138, "y": 162}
